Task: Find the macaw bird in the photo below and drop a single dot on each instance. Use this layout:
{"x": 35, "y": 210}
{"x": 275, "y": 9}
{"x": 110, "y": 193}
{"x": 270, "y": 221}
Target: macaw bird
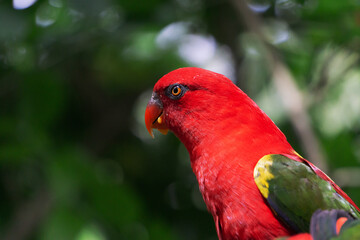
{"x": 253, "y": 182}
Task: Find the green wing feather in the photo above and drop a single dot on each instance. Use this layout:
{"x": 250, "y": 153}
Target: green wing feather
{"x": 294, "y": 191}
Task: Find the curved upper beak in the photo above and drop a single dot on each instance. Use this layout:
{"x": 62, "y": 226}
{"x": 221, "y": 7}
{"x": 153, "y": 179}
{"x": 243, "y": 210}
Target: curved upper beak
{"x": 154, "y": 117}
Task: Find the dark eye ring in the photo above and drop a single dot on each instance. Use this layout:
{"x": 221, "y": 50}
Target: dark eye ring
{"x": 176, "y": 91}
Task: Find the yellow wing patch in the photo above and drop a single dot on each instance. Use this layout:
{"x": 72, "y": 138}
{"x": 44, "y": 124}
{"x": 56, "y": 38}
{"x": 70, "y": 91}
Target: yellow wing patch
{"x": 262, "y": 174}
{"x": 297, "y": 154}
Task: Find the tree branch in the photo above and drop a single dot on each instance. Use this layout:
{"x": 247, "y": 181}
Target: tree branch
{"x": 28, "y": 216}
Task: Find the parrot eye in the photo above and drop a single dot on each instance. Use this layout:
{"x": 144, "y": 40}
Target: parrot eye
{"x": 176, "y": 91}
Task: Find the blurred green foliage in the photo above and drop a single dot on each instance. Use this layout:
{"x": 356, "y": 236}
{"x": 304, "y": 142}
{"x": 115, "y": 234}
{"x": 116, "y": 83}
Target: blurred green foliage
{"x": 75, "y": 159}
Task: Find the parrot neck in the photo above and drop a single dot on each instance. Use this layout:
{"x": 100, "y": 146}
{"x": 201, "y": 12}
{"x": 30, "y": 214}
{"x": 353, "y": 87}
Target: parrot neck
{"x": 234, "y": 144}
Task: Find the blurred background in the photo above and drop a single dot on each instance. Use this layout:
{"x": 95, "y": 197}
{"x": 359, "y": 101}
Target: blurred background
{"x": 76, "y": 161}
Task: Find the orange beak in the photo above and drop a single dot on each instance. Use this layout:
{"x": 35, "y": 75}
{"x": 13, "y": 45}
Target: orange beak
{"x": 154, "y": 117}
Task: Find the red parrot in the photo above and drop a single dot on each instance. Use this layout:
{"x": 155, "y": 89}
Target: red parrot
{"x": 253, "y": 182}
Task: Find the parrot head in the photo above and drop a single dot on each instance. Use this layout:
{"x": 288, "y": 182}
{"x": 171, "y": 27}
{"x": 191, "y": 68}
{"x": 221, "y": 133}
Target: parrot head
{"x": 190, "y": 99}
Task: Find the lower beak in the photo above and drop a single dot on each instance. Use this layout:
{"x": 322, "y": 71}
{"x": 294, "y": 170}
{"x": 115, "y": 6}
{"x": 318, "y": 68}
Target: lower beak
{"x": 154, "y": 117}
